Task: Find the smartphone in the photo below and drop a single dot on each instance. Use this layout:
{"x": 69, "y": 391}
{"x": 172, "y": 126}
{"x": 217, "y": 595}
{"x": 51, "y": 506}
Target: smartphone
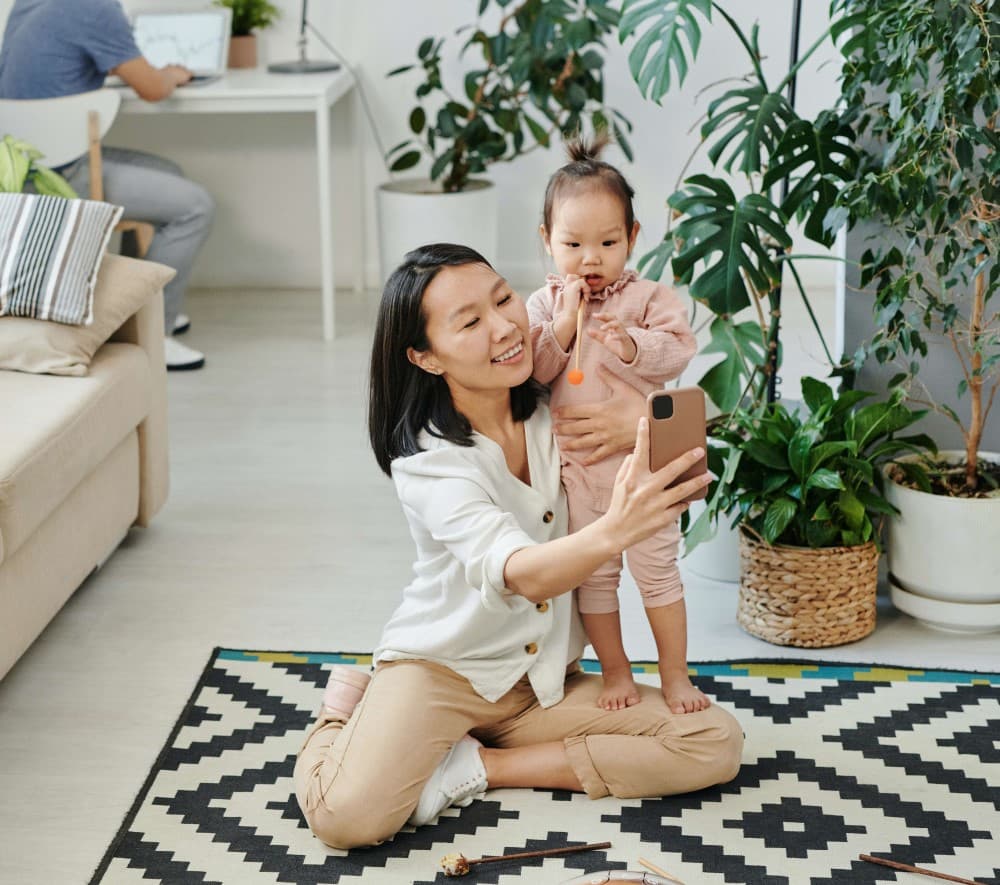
{"x": 677, "y": 425}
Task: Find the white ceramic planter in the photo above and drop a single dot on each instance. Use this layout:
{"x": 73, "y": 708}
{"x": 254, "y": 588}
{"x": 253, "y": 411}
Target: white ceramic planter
{"x": 719, "y": 558}
{"x": 944, "y": 555}
{"x": 415, "y": 212}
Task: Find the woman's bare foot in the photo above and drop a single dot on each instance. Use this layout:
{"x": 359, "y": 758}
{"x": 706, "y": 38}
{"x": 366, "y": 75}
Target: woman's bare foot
{"x": 619, "y": 690}
{"x": 681, "y": 695}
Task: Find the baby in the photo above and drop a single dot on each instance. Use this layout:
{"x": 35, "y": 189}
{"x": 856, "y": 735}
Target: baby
{"x": 638, "y": 330}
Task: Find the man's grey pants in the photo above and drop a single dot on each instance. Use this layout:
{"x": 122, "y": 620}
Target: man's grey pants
{"x": 155, "y": 190}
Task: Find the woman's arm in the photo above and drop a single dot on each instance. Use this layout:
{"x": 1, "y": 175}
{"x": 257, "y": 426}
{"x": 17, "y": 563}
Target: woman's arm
{"x": 604, "y": 428}
{"x": 641, "y": 504}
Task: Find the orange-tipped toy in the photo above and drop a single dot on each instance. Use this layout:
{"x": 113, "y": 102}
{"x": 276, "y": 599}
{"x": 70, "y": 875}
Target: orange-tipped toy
{"x": 575, "y": 376}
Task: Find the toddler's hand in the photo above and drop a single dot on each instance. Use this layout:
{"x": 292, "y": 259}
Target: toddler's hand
{"x": 612, "y": 334}
{"x": 567, "y": 304}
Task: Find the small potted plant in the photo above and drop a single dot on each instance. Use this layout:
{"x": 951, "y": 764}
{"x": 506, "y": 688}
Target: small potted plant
{"x": 248, "y": 17}
{"x": 19, "y": 166}
{"x": 919, "y": 82}
{"x": 806, "y": 491}
{"x": 532, "y": 77}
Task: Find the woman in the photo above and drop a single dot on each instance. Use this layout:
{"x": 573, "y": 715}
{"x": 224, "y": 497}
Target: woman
{"x": 485, "y": 644}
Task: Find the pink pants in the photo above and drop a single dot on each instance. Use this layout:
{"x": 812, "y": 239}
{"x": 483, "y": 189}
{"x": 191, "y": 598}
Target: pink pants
{"x": 358, "y": 782}
{"x": 653, "y": 564}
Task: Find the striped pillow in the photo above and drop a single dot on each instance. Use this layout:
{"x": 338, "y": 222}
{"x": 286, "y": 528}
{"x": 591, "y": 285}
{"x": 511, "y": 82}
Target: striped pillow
{"x": 50, "y": 250}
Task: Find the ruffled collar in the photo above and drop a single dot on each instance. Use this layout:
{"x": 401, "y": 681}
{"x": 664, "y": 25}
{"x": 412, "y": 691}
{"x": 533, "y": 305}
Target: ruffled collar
{"x": 628, "y": 276}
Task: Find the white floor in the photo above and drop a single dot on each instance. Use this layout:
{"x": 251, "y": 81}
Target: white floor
{"x": 280, "y": 533}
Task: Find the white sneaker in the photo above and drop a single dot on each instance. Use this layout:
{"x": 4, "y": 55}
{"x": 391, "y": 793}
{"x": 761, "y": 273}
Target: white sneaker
{"x": 180, "y": 357}
{"x": 181, "y": 324}
{"x": 460, "y": 778}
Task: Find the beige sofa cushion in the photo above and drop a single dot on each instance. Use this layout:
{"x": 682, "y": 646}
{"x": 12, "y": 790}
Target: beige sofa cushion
{"x": 57, "y": 430}
{"x": 123, "y": 286}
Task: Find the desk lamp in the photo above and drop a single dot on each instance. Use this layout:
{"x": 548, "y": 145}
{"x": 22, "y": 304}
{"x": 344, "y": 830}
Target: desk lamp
{"x": 303, "y": 65}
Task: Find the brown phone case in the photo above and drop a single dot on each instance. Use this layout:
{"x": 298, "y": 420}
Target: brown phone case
{"x": 677, "y": 425}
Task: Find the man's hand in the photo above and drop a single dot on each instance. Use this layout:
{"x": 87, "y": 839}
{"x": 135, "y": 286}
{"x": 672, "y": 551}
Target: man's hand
{"x": 604, "y": 428}
{"x": 178, "y": 74}
{"x": 612, "y": 334}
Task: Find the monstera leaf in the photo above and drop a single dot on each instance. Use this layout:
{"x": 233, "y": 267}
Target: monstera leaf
{"x": 662, "y": 46}
{"x": 736, "y": 230}
{"x": 743, "y": 348}
{"x": 808, "y": 155}
{"x": 751, "y": 121}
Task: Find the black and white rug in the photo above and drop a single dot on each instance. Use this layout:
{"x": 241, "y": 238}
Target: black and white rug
{"x": 840, "y": 760}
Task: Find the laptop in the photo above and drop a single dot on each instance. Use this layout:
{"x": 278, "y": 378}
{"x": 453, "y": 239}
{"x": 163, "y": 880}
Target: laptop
{"x": 198, "y": 40}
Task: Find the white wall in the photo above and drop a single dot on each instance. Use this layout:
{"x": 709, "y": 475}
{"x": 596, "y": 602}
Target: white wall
{"x": 261, "y": 170}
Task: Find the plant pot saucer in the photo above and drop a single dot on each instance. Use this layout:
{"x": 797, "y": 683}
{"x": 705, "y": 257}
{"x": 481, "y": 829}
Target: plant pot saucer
{"x": 951, "y": 617}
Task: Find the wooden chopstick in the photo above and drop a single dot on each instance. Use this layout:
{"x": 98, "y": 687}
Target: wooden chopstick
{"x": 907, "y": 868}
{"x": 659, "y": 872}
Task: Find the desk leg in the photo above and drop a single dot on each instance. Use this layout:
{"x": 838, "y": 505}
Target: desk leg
{"x": 325, "y": 193}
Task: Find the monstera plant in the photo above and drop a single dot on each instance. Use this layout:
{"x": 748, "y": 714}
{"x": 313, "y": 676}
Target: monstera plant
{"x": 727, "y": 236}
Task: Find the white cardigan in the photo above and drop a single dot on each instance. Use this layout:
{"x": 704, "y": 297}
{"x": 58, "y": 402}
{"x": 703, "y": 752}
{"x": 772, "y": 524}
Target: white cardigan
{"x": 468, "y": 513}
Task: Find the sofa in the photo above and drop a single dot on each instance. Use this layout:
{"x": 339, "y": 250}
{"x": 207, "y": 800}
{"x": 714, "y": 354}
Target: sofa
{"x": 83, "y": 453}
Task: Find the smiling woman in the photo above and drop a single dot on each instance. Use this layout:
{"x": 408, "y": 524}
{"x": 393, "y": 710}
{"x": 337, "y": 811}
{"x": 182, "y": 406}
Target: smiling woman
{"x": 477, "y": 683}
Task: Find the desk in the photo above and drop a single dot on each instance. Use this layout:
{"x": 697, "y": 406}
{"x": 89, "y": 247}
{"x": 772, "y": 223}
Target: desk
{"x": 258, "y": 92}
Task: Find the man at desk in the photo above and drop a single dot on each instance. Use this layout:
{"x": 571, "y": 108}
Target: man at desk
{"x": 53, "y": 48}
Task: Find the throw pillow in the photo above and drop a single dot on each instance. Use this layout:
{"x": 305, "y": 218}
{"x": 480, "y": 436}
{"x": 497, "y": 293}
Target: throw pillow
{"x": 123, "y": 286}
{"x": 51, "y": 249}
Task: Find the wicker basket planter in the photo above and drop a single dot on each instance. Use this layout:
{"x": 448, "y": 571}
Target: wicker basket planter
{"x": 805, "y": 597}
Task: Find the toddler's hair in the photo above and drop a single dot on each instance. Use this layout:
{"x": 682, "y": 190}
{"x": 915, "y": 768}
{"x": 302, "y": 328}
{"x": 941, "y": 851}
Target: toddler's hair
{"x": 584, "y": 169}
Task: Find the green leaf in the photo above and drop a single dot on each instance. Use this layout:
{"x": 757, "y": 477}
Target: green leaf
{"x": 670, "y": 40}
{"x": 752, "y": 121}
{"x": 52, "y": 184}
{"x": 768, "y": 455}
{"x": 418, "y": 119}
{"x": 537, "y": 131}
{"x": 743, "y": 348}
{"x": 735, "y": 230}
{"x": 852, "y": 508}
{"x": 814, "y": 157}
{"x": 824, "y": 479}
{"x": 777, "y": 518}
{"x": 425, "y": 48}
{"x": 816, "y": 394}
{"x": 405, "y": 161}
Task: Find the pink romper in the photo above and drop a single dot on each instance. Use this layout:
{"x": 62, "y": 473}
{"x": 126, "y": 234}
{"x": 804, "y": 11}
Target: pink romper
{"x": 657, "y": 321}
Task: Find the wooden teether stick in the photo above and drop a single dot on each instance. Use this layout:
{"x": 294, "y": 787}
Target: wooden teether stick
{"x": 575, "y": 376}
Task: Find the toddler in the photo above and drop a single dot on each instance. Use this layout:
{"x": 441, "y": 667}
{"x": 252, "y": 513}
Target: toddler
{"x": 638, "y": 330}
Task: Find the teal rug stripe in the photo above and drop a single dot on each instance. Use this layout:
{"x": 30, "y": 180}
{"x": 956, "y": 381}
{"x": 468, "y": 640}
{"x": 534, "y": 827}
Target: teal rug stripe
{"x": 777, "y": 668}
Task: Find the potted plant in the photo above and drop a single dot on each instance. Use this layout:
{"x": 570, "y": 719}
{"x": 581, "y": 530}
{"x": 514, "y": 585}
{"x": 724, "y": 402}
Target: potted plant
{"x": 806, "y": 491}
{"x": 19, "y": 167}
{"x": 919, "y": 82}
{"x": 734, "y": 252}
{"x": 248, "y": 17}
{"x": 536, "y": 74}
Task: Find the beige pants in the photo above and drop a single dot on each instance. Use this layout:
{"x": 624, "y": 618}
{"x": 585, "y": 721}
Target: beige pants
{"x": 358, "y": 783}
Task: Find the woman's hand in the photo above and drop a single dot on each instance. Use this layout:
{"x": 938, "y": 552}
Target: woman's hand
{"x": 603, "y": 428}
{"x": 644, "y": 502}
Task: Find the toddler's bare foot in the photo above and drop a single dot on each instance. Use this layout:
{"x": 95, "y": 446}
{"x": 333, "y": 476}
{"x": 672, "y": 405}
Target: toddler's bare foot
{"x": 619, "y": 690}
{"x": 681, "y": 696}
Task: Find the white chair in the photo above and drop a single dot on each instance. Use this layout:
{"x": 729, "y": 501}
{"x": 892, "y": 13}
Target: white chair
{"x": 66, "y": 128}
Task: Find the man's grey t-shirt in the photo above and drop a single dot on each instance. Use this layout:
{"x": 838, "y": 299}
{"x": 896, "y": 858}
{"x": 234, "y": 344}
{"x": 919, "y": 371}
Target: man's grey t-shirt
{"x": 53, "y": 48}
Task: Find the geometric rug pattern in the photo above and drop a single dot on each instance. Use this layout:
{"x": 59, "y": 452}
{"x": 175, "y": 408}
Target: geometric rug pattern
{"x": 839, "y": 760}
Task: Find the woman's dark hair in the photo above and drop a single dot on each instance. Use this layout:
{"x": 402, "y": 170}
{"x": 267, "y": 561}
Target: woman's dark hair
{"x": 403, "y": 399}
{"x": 584, "y": 169}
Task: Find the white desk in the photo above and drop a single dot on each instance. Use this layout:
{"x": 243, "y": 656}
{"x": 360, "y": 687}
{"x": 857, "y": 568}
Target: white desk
{"x": 258, "y": 92}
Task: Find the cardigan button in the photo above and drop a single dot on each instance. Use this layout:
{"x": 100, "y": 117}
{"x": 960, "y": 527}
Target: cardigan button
{"x": 549, "y": 516}
{"x": 531, "y": 648}
{"x": 542, "y": 607}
